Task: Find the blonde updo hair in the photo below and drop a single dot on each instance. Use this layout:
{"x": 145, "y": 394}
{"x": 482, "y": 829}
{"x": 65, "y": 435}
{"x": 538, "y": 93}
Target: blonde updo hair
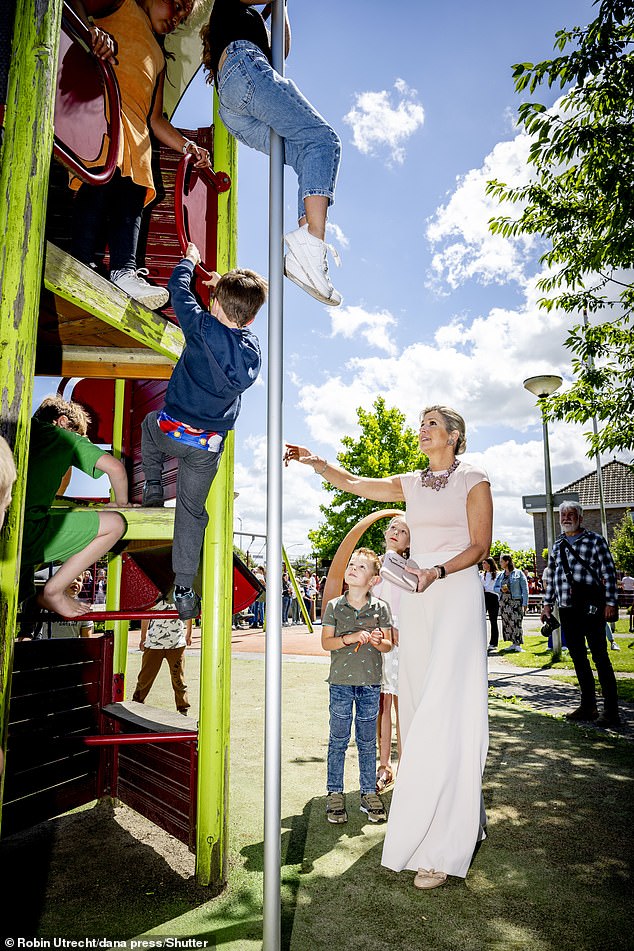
{"x": 453, "y": 421}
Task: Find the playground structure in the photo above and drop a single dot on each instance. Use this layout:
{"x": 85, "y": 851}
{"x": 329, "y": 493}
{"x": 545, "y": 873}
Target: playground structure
{"x": 60, "y": 318}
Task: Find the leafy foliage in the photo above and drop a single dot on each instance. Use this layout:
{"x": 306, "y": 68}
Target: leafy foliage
{"x": 580, "y": 199}
{"x": 385, "y": 447}
{"x": 622, "y": 546}
{"x": 523, "y": 559}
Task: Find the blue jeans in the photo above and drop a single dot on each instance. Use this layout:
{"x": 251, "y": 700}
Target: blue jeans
{"x": 254, "y": 99}
{"x": 342, "y": 700}
{"x": 286, "y": 606}
{"x": 258, "y": 614}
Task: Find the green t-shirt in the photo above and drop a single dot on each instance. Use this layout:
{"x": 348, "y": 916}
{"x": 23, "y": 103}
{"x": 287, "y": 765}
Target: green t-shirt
{"x": 51, "y": 451}
{"x": 361, "y": 668}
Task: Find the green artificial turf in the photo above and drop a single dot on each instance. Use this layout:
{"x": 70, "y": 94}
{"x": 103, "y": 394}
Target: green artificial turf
{"x": 553, "y": 874}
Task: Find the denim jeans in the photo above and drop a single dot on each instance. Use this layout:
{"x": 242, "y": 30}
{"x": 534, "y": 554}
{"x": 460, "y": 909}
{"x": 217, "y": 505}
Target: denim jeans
{"x": 196, "y": 471}
{"x": 286, "y": 606}
{"x": 258, "y": 614}
{"x": 254, "y": 99}
{"x": 112, "y": 211}
{"x": 366, "y": 701}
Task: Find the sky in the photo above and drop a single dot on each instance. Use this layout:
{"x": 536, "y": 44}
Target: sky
{"x": 435, "y": 309}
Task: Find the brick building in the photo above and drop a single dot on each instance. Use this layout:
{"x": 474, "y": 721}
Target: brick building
{"x": 618, "y": 495}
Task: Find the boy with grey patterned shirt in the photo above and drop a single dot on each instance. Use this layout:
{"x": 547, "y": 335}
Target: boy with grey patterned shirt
{"x": 356, "y": 629}
{"x": 164, "y": 639}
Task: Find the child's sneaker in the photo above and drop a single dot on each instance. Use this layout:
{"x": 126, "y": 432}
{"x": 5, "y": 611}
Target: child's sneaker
{"x": 336, "y": 808}
{"x": 614, "y": 646}
{"x": 371, "y": 804}
{"x": 306, "y": 265}
{"x": 187, "y": 603}
{"x": 133, "y": 284}
{"x": 152, "y": 495}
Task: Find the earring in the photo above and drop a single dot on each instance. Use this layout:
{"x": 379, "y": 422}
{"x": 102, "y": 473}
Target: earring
{"x": 450, "y": 442}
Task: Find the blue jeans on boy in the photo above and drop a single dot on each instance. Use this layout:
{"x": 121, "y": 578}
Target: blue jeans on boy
{"x": 254, "y": 99}
{"x": 366, "y": 701}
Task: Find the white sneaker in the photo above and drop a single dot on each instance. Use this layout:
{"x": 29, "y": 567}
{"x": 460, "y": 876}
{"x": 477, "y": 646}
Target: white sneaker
{"x": 133, "y": 284}
{"x": 517, "y": 649}
{"x": 306, "y": 265}
{"x": 614, "y": 646}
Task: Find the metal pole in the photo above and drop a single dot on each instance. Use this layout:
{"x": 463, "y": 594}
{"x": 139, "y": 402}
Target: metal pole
{"x": 597, "y": 455}
{"x": 273, "y": 672}
{"x": 550, "y": 517}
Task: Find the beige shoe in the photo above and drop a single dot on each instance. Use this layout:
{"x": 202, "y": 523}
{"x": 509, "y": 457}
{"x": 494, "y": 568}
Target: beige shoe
{"x": 425, "y": 878}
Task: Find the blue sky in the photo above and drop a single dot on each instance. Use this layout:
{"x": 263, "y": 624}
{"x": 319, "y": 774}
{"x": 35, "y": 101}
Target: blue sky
{"x": 435, "y": 309}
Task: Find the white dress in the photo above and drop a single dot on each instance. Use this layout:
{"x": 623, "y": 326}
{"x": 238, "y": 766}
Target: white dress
{"x": 390, "y": 593}
{"x": 437, "y": 814}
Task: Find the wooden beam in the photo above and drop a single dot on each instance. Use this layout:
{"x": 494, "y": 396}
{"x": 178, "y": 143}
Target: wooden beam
{"x": 105, "y": 363}
{"x": 71, "y": 280}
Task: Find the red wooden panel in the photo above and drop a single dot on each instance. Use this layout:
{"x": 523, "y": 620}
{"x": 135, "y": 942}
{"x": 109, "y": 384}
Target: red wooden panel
{"x": 137, "y": 590}
{"x": 87, "y": 106}
{"x": 97, "y": 397}
{"x": 146, "y": 396}
{"x": 37, "y": 655}
{"x": 39, "y": 681}
{"x": 27, "y": 812}
{"x": 25, "y": 782}
{"x": 38, "y": 708}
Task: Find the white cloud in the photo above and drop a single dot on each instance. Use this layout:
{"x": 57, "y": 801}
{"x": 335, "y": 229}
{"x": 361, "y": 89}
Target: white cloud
{"x": 384, "y": 120}
{"x": 337, "y": 234}
{"x": 354, "y": 322}
{"x": 459, "y": 230}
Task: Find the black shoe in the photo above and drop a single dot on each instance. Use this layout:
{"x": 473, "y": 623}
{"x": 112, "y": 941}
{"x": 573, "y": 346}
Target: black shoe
{"x": 583, "y": 713}
{"x": 152, "y": 495}
{"x": 187, "y": 603}
{"x": 609, "y": 722}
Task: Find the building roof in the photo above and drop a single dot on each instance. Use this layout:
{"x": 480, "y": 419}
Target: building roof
{"x": 618, "y": 486}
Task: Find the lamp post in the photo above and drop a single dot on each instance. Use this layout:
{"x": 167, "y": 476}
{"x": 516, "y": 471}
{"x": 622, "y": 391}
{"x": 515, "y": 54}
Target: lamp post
{"x": 543, "y": 387}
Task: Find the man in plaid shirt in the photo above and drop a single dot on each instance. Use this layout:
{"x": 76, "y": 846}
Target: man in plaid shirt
{"x": 580, "y": 621}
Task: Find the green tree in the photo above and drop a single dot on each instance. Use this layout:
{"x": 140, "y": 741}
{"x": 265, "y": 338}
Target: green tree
{"x": 580, "y": 199}
{"x": 385, "y": 447}
{"x": 522, "y": 558}
{"x": 622, "y": 546}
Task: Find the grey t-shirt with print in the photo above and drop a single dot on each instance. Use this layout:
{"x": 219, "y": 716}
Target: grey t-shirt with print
{"x": 363, "y": 668}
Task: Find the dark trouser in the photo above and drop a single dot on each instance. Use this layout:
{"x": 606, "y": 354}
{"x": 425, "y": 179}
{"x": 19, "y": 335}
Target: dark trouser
{"x": 286, "y": 606}
{"x": 492, "y": 603}
{"x": 579, "y": 628}
{"x": 111, "y": 213}
{"x": 196, "y": 471}
{"x": 150, "y": 666}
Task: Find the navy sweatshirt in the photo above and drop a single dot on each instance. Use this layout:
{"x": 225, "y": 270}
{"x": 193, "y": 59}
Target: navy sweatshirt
{"x": 217, "y": 365}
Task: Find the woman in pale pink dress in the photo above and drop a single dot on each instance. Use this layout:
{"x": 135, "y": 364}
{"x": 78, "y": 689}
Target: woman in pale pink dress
{"x": 437, "y": 815}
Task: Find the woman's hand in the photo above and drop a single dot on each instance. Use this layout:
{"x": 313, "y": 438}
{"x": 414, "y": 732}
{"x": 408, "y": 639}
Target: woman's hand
{"x": 300, "y": 454}
{"x": 426, "y": 576}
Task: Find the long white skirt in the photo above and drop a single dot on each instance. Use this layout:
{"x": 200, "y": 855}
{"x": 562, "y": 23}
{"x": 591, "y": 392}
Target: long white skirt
{"x": 437, "y": 813}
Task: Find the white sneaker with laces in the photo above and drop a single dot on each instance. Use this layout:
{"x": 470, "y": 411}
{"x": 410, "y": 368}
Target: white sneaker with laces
{"x": 306, "y": 265}
{"x": 614, "y": 646}
{"x": 133, "y": 284}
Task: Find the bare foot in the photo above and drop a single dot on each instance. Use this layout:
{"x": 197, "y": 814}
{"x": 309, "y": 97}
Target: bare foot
{"x": 60, "y": 603}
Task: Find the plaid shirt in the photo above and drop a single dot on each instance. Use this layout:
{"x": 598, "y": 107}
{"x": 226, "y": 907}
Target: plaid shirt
{"x": 594, "y": 550}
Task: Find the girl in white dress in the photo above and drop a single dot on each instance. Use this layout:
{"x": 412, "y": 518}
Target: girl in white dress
{"x": 396, "y": 539}
{"x": 437, "y": 816}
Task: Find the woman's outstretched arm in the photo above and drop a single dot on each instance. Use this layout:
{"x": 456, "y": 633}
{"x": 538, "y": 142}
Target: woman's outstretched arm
{"x": 388, "y": 489}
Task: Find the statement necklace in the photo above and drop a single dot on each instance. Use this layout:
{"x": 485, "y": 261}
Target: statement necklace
{"x": 437, "y": 480}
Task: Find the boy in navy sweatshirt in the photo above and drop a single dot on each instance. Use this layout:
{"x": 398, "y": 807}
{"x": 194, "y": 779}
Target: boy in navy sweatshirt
{"x": 221, "y": 359}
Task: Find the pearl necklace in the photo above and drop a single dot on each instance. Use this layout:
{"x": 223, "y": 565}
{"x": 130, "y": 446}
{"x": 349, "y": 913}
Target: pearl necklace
{"x": 437, "y": 480}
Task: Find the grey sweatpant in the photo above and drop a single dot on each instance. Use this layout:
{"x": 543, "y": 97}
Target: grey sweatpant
{"x": 196, "y": 471}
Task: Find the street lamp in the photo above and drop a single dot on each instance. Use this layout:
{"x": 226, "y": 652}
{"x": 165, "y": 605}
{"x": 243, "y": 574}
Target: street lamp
{"x": 542, "y": 387}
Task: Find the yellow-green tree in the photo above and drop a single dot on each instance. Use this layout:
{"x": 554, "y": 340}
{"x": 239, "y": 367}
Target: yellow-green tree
{"x": 384, "y": 447}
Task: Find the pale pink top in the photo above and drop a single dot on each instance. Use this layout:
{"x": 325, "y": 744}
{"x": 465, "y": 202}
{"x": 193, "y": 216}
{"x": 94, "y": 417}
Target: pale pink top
{"x": 437, "y": 521}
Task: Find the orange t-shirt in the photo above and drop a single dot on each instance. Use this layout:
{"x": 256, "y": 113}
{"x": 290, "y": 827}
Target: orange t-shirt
{"x": 140, "y": 62}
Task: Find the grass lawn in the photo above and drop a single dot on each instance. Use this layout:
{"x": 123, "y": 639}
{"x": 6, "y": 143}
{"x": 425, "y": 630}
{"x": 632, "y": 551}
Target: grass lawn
{"x": 536, "y": 654}
{"x": 553, "y": 874}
